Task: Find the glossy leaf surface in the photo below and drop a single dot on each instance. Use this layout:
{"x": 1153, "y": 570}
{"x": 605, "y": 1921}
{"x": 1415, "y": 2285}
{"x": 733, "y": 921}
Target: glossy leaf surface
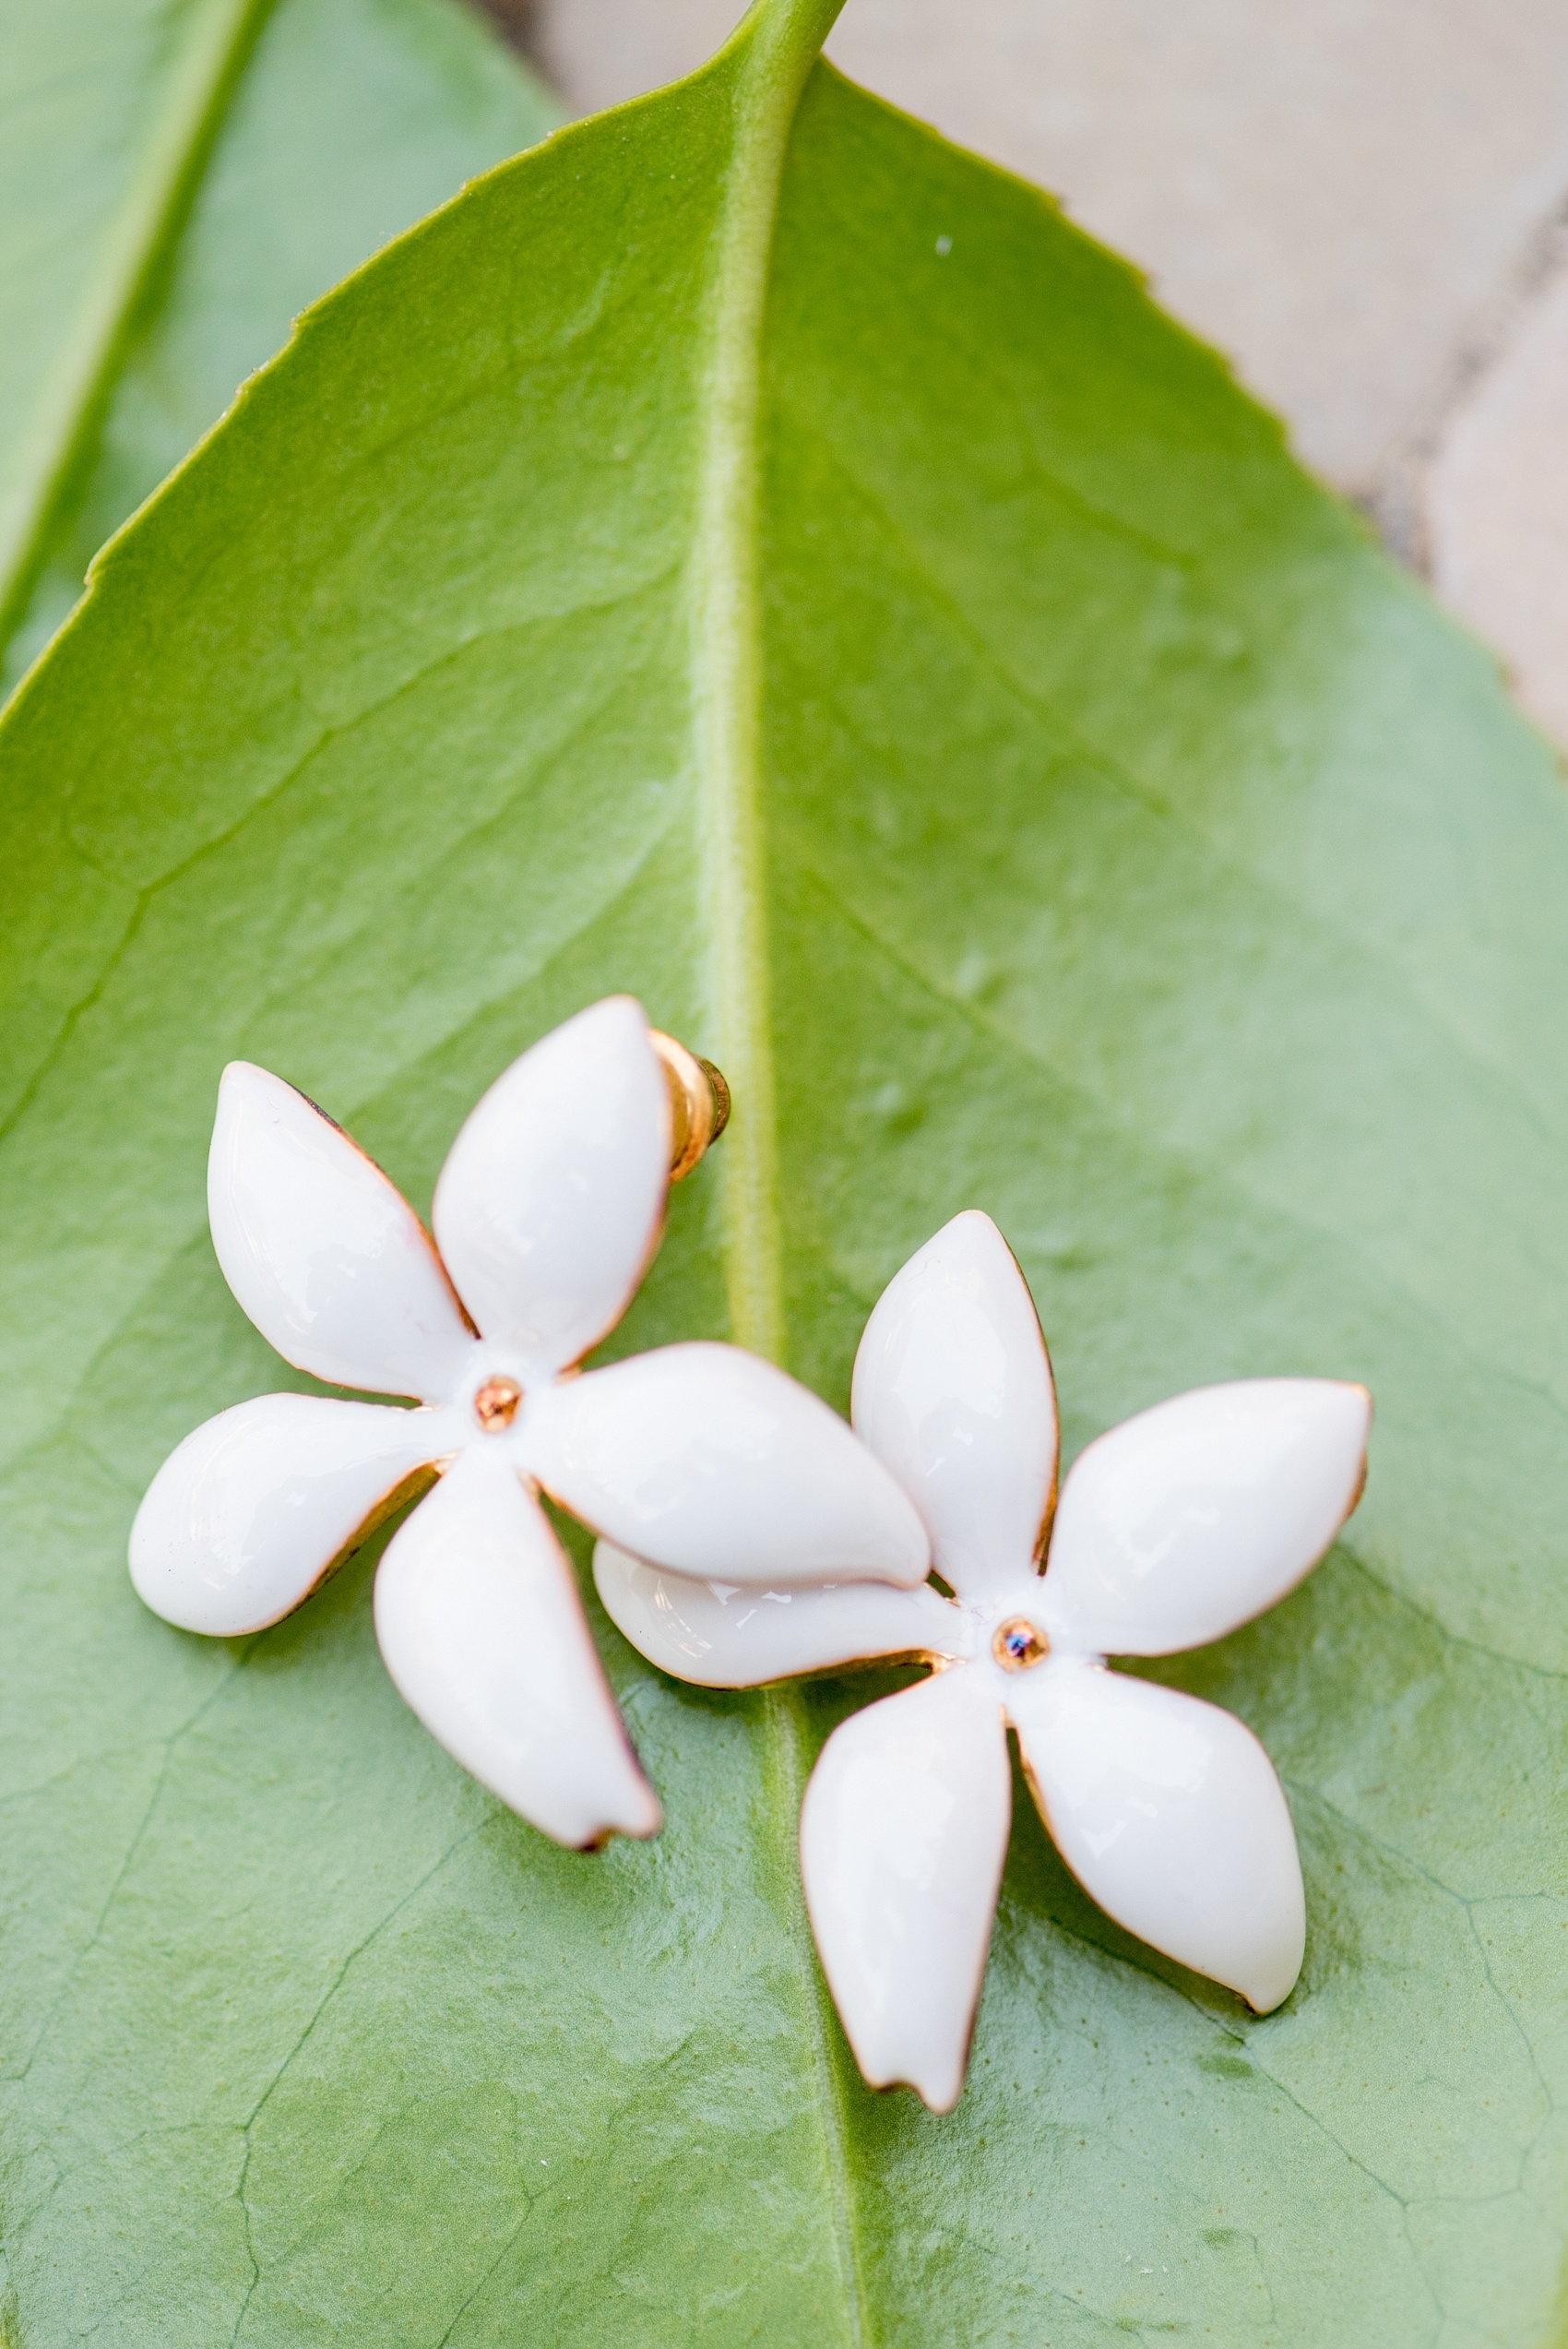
{"x": 176, "y": 182}
{"x": 875, "y": 639}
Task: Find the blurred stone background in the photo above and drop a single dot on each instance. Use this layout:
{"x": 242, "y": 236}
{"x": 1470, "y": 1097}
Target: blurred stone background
{"x": 1364, "y": 203}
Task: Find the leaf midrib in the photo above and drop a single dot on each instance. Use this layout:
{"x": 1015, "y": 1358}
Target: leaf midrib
{"x": 71, "y": 397}
{"x": 774, "y": 50}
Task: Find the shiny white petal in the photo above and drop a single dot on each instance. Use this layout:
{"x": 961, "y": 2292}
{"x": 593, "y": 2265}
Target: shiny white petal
{"x": 325, "y": 1255}
{"x": 953, "y": 1391}
{"x": 730, "y": 1634}
{"x": 710, "y": 1460}
{"x": 1196, "y": 1516}
{"x": 1169, "y": 1815}
{"x": 903, "y": 1833}
{"x": 480, "y": 1626}
{"x": 549, "y": 1206}
{"x": 243, "y": 1520}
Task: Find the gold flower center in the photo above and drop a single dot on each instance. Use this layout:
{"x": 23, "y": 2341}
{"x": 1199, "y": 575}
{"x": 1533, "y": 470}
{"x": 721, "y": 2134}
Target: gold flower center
{"x": 495, "y": 1405}
{"x": 1017, "y": 1645}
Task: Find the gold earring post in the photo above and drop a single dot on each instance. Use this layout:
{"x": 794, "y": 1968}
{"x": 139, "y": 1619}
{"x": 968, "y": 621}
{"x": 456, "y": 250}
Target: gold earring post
{"x": 699, "y": 1102}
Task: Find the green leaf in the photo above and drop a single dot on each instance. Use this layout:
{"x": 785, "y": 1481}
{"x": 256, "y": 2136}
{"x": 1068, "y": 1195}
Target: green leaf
{"x": 175, "y": 184}
{"x": 748, "y": 553}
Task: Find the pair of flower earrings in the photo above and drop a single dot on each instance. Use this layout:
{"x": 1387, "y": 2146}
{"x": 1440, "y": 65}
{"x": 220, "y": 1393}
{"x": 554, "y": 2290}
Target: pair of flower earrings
{"x": 747, "y": 1534}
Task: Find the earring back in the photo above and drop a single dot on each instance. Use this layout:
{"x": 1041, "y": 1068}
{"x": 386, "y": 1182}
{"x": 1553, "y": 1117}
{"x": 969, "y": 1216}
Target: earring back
{"x": 699, "y": 1102}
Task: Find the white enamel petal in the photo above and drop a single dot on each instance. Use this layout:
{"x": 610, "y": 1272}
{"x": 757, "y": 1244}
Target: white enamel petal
{"x": 324, "y": 1253}
{"x": 952, "y": 1389}
{"x": 549, "y": 1205}
{"x": 244, "y": 1518}
{"x": 1168, "y": 1813}
{"x": 729, "y": 1635}
{"x": 903, "y": 1833}
{"x": 711, "y": 1461}
{"x": 1196, "y": 1516}
{"x": 480, "y": 1622}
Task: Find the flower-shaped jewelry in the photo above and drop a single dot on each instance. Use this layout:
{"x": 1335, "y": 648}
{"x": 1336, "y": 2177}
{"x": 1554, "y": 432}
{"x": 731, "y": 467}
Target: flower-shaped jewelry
{"x": 548, "y": 1212}
{"x": 1170, "y": 1530}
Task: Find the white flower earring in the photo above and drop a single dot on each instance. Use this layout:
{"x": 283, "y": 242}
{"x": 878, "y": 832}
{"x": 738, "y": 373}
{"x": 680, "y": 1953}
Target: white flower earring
{"x": 547, "y": 1213}
{"x": 1171, "y": 1531}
